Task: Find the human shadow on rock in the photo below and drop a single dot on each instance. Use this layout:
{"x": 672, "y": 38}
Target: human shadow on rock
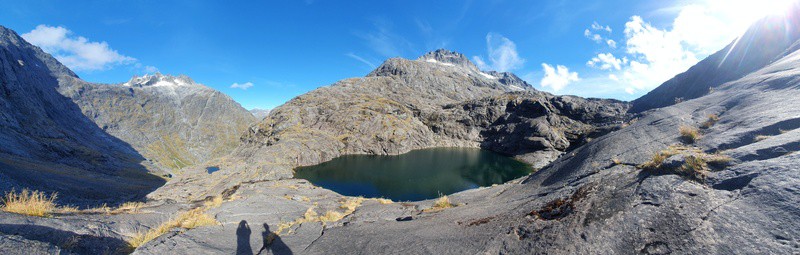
{"x": 243, "y": 239}
{"x": 273, "y": 243}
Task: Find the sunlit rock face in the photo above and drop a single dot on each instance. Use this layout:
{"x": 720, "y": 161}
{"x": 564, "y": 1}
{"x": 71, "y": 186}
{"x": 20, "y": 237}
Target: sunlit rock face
{"x": 438, "y": 100}
{"x": 171, "y": 120}
{"x": 767, "y": 41}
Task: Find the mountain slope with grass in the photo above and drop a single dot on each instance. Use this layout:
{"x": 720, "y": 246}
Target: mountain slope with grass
{"x": 439, "y": 100}
{"x": 48, "y": 144}
{"x": 171, "y": 120}
{"x": 101, "y": 143}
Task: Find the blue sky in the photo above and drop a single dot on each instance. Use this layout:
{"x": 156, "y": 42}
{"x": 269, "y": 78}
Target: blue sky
{"x": 286, "y": 48}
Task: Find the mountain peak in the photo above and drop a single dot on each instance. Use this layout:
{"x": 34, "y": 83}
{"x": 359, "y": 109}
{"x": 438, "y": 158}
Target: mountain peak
{"x": 447, "y": 57}
{"x": 160, "y": 80}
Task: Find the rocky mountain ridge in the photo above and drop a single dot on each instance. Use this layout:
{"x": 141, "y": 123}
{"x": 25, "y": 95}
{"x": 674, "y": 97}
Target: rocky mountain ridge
{"x": 405, "y": 105}
{"x": 104, "y": 142}
{"x": 48, "y": 144}
{"x": 171, "y": 120}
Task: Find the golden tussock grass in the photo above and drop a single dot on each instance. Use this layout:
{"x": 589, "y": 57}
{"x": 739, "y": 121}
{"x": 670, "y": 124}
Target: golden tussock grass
{"x": 349, "y": 205}
{"x": 689, "y": 134}
{"x": 29, "y": 202}
{"x": 384, "y": 201}
{"x": 696, "y": 163}
{"x": 759, "y": 138}
{"x": 441, "y": 203}
{"x": 191, "y": 219}
{"x": 712, "y": 119}
{"x": 187, "y": 220}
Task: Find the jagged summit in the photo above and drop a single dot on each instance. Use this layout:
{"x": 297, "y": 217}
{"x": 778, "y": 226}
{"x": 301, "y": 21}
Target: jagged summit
{"x": 433, "y": 63}
{"x": 160, "y": 80}
{"x": 447, "y": 57}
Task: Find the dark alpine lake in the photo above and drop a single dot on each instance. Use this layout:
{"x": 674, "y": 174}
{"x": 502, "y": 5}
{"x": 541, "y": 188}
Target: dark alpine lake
{"x": 417, "y": 175}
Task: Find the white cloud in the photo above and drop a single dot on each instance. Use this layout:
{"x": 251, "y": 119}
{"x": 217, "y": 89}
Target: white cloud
{"x": 139, "y": 68}
{"x": 557, "y": 78}
{"x": 606, "y": 61}
{"x": 384, "y": 41}
{"x": 597, "y": 26}
{"x": 243, "y": 86}
{"x": 611, "y": 43}
{"x": 76, "y": 52}
{"x": 480, "y": 63}
{"x": 360, "y": 59}
{"x": 503, "y": 55}
{"x": 653, "y": 55}
{"x": 150, "y": 69}
{"x": 597, "y": 37}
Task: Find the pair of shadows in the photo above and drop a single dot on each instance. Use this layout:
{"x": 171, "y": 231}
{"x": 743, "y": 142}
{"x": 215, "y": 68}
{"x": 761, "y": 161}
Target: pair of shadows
{"x": 272, "y": 243}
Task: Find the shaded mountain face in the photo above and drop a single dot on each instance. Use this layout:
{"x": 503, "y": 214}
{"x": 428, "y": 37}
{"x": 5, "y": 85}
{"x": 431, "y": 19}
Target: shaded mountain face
{"x": 171, "y": 120}
{"x": 97, "y": 143}
{"x": 438, "y": 100}
{"x": 47, "y": 143}
{"x": 767, "y": 41}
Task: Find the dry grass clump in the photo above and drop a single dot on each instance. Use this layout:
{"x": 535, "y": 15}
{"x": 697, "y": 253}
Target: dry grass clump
{"x": 759, "y": 138}
{"x": 689, "y": 134}
{"x": 712, "y": 119}
{"x": 187, "y": 220}
{"x": 100, "y": 209}
{"x": 215, "y": 202}
{"x": 696, "y": 165}
{"x": 193, "y": 218}
{"x": 659, "y": 158}
{"x": 384, "y": 201}
{"x": 348, "y": 204}
{"x": 694, "y": 168}
{"x": 331, "y": 216}
{"x": 29, "y": 202}
{"x": 616, "y": 161}
{"x": 441, "y": 203}
{"x": 127, "y": 207}
{"x": 68, "y": 209}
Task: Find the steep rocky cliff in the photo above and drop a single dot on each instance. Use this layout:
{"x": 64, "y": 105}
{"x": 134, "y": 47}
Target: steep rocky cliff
{"x": 170, "y": 120}
{"x": 99, "y": 143}
{"x": 46, "y": 142}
